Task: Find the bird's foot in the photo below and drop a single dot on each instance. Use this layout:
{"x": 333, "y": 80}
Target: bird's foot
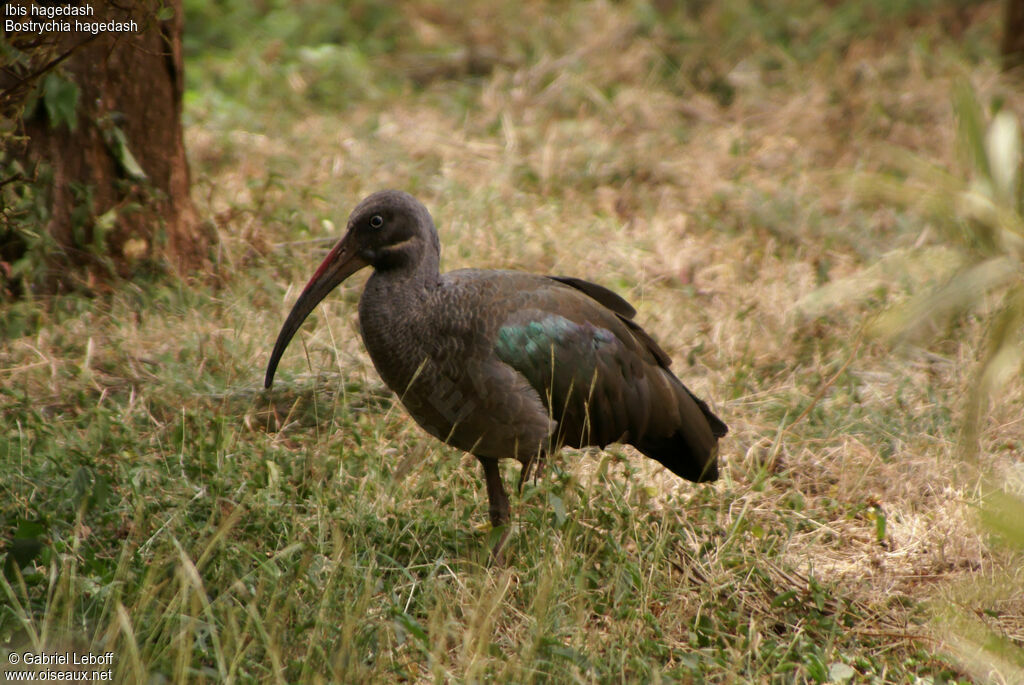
{"x": 535, "y": 466}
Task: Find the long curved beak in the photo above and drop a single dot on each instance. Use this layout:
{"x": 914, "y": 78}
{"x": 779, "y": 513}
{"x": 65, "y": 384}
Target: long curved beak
{"x": 340, "y": 263}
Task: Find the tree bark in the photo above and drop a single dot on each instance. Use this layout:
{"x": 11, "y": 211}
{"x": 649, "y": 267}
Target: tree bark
{"x": 119, "y": 195}
{"x": 1013, "y": 35}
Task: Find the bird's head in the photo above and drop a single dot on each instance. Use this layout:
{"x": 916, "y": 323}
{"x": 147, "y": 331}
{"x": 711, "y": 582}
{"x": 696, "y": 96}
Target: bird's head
{"x": 389, "y": 230}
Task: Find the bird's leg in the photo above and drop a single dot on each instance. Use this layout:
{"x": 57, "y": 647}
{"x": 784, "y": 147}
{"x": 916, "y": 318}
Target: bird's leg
{"x": 524, "y": 474}
{"x": 499, "y": 507}
{"x": 534, "y": 464}
{"x": 538, "y": 470}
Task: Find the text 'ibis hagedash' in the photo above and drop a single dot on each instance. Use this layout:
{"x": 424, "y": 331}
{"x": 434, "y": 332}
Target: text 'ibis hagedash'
{"x": 504, "y": 364}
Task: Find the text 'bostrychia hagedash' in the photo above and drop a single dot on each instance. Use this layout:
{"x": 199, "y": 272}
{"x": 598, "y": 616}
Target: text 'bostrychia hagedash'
{"x": 504, "y": 364}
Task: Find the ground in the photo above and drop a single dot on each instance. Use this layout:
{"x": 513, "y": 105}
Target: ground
{"x": 707, "y": 165}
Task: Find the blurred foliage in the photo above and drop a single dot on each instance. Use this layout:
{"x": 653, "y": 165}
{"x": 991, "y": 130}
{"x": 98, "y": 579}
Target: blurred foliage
{"x": 311, "y": 53}
{"x": 978, "y": 211}
{"x": 315, "y": 53}
{"x": 28, "y": 82}
{"x": 24, "y": 210}
{"x": 227, "y": 25}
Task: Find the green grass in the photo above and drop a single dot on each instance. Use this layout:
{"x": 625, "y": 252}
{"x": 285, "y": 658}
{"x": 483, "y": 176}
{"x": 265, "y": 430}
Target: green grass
{"x": 157, "y": 503}
{"x": 191, "y": 541}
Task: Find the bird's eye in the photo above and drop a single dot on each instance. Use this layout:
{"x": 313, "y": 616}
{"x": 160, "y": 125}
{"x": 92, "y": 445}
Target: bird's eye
{"x": 376, "y": 221}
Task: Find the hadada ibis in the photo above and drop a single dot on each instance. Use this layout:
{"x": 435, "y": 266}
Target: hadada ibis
{"x": 504, "y": 364}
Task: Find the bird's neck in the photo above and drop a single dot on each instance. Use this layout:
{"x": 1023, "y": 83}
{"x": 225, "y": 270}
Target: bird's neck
{"x": 413, "y": 272}
{"x": 395, "y": 313}
{"x": 398, "y": 289}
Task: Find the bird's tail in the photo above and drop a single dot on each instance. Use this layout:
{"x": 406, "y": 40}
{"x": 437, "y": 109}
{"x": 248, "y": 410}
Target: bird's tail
{"x": 692, "y": 450}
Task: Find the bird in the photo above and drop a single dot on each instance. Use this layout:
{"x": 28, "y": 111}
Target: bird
{"x": 505, "y": 364}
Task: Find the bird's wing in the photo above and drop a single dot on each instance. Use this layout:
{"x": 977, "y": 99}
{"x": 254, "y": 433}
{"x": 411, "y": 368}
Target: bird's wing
{"x": 600, "y": 293}
{"x": 603, "y": 378}
{"x": 624, "y": 310}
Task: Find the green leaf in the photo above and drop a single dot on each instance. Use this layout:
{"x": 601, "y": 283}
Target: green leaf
{"x": 839, "y": 672}
{"x": 118, "y": 143}
{"x": 27, "y": 529}
{"x": 1003, "y": 146}
{"x": 20, "y": 552}
{"x": 104, "y": 224}
{"x": 816, "y": 668}
{"x": 60, "y": 96}
{"x": 971, "y": 124}
{"x": 81, "y": 484}
{"x": 783, "y": 598}
{"x": 964, "y": 290}
{"x": 880, "y": 521}
{"x": 1002, "y": 514}
{"x": 558, "y": 507}
{"x": 406, "y": 624}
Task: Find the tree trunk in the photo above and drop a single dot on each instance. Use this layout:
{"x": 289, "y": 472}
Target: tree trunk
{"x": 118, "y": 177}
{"x": 1013, "y": 35}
